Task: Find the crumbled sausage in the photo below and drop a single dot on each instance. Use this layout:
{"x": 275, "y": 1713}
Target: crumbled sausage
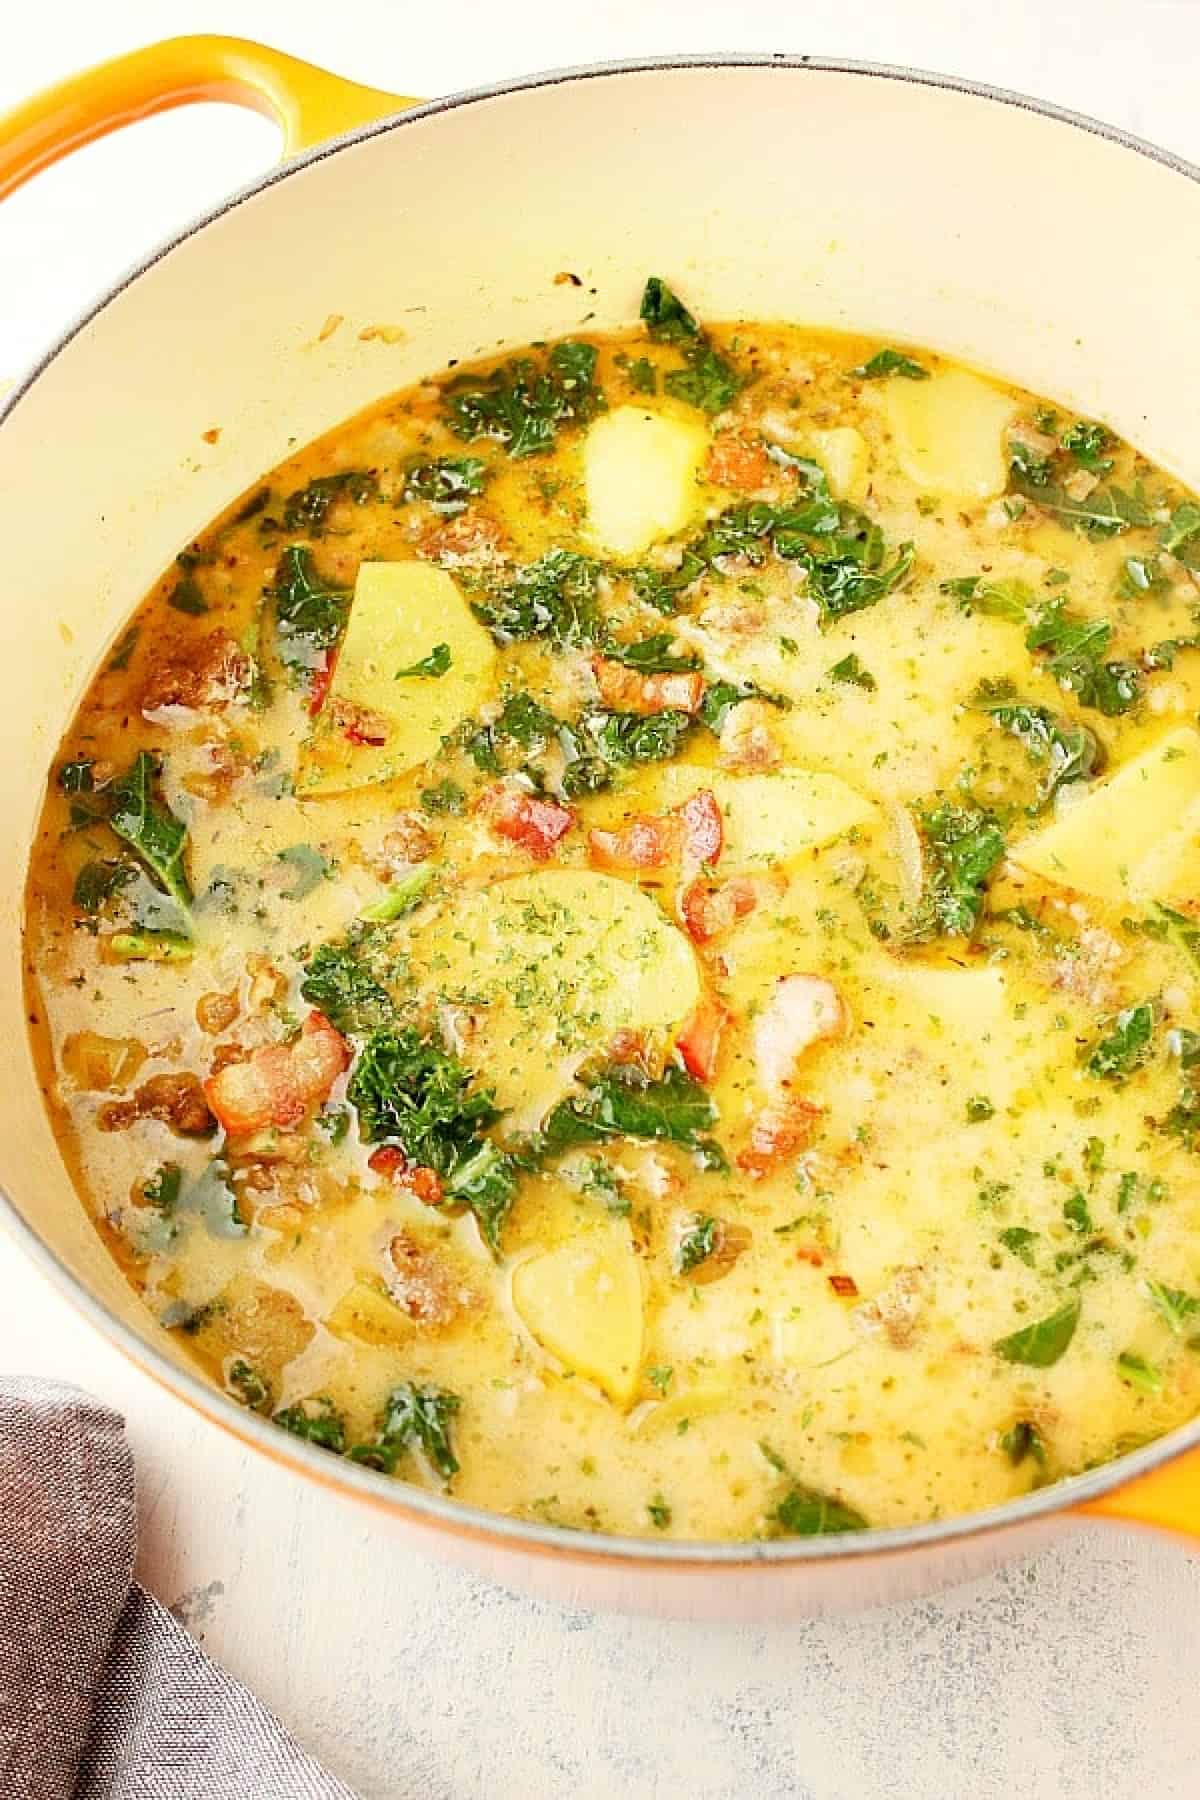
{"x": 175, "y": 1100}
{"x": 422, "y": 1283}
{"x": 212, "y": 674}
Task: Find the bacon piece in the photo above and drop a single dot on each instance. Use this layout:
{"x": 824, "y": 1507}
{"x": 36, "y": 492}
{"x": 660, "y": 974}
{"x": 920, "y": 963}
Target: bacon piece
{"x": 736, "y": 462}
{"x": 279, "y": 1083}
{"x": 647, "y": 841}
{"x": 422, "y": 1183}
{"x": 778, "y": 1132}
{"x": 803, "y": 1010}
{"x": 530, "y": 820}
{"x": 844, "y": 1286}
{"x": 694, "y": 832}
{"x": 708, "y": 909}
{"x": 699, "y": 1040}
{"x": 703, "y": 827}
{"x": 626, "y": 690}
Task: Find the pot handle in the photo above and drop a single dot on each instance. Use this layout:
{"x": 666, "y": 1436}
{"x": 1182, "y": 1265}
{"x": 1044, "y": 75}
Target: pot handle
{"x": 308, "y": 104}
{"x": 1167, "y": 1498}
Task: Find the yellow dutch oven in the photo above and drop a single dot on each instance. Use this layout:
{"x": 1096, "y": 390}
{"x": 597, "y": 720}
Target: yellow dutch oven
{"x": 869, "y": 199}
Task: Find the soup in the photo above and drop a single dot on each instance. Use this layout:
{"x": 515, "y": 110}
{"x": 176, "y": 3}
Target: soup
{"x": 621, "y": 937}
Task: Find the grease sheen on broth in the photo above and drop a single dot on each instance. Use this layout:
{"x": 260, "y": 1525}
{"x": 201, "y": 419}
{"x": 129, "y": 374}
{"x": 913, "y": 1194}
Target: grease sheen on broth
{"x": 622, "y": 936}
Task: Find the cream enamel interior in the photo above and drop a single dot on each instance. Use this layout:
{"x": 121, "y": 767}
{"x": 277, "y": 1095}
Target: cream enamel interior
{"x": 914, "y": 233}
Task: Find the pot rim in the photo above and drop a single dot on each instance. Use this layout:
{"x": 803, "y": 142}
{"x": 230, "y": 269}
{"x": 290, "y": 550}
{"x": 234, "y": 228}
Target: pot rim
{"x": 402, "y": 1498}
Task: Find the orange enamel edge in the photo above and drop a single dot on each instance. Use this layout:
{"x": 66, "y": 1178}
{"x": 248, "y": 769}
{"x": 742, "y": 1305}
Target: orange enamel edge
{"x": 308, "y": 104}
{"x": 1167, "y": 1498}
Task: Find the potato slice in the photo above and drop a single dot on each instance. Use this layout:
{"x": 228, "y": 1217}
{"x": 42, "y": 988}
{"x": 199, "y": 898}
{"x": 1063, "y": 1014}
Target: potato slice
{"x": 948, "y": 433}
{"x": 1121, "y": 839}
{"x": 552, "y": 965}
{"x": 364, "y": 1315}
{"x": 402, "y": 612}
{"x": 774, "y": 818}
{"x": 584, "y": 1304}
{"x": 842, "y": 453}
{"x": 639, "y": 471}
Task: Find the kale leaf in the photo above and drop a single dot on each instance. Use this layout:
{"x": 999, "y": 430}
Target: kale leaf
{"x": 1124, "y": 1045}
{"x": 345, "y": 981}
{"x": 621, "y": 1101}
{"x": 1041, "y": 1344}
{"x": 803, "y": 1512}
{"x": 317, "y": 1421}
{"x": 553, "y": 598}
{"x": 522, "y": 403}
{"x": 150, "y": 828}
{"x": 1077, "y": 648}
{"x": 964, "y": 843}
{"x": 413, "y": 1418}
{"x": 446, "y": 484}
{"x": 310, "y": 613}
{"x": 890, "y": 362}
{"x": 708, "y": 380}
{"x": 1063, "y": 750}
{"x": 307, "y": 510}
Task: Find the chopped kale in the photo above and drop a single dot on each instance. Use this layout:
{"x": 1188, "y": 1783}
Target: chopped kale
{"x": 803, "y": 1512}
{"x": 98, "y": 882}
{"x": 185, "y": 597}
{"x": 317, "y": 1421}
{"x": 443, "y": 797}
{"x": 346, "y": 981}
{"x": 1042, "y": 1343}
{"x": 601, "y": 742}
{"x": 1180, "y": 536}
{"x": 851, "y": 673}
{"x": 696, "y": 1244}
{"x": 415, "y": 1418}
{"x": 661, "y": 588}
{"x": 1064, "y": 751}
{"x": 1139, "y": 1373}
{"x": 653, "y": 655}
{"x": 708, "y": 380}
{"x": 1077, "y": 648}
{"x": 1022, "y": 1440}
{"x": 522, "y": 403}
{"x": 890, "y": 362}
{"x": 1086, "y": 443}
{"x": 310, "y": 613}
{"x": 621, "y": 1101}
{"x": 149, "y": 827}
{"x": 720, "y": 698}
{"x": 522, "y": 721}
{"x": 964, "y": 845}
{"x": 249, "y": 1386}
{"x": 431, "y": 667}
{"x": 162, "y": 1190}
{"x": 1020, "y": 1241}
{"x": 1076, "y": 1216}
{"x": 307, "y": 510}
{"x": 1174, "y": 1305}
{"x": 1104, "y": 513}
{"x": 409, "y": 1091}
{"x": 1124, "y": 1045}
{"x": 553, "y": 598}
{"x": 447, "y": 484}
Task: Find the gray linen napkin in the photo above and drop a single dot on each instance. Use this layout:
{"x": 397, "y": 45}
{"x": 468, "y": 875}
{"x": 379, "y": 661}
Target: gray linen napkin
{"x": 103, "y": 1695}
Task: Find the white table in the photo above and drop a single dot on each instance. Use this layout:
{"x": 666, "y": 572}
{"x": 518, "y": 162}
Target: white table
{"x": 1072, "y": 1677}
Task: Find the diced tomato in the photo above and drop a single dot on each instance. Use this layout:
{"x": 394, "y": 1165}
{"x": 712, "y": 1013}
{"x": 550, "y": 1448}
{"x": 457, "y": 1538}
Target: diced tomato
{"x": 279, "y": 1083}
{"x": 777, "y": 1133}
{"x": 423, "y": 1183}
{"x": 321, "y": 680}
{"x": 680, "y": 690}
{"x": 530, "y": 820}
{"x": 703, "y": 827}
{"x": 700, "y": 1038}
{"x": 646, "y": 842}
{"x": 708, "y": 909}
{"x": 735, "y": 462}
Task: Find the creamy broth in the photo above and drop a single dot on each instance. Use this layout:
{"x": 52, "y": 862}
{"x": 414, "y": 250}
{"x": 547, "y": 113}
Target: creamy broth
{"x": 622, "y": 937}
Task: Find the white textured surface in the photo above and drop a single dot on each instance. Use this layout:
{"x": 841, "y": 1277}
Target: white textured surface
{"x": 1071, "y": 1677}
